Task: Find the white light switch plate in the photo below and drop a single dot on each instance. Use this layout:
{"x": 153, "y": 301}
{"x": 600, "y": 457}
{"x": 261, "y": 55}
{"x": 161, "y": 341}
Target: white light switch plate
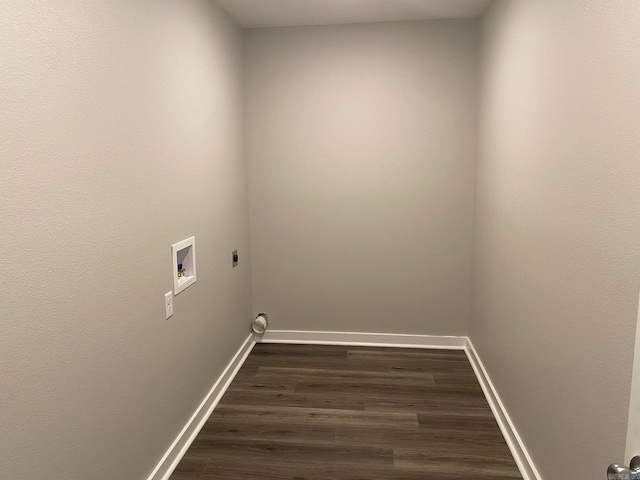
{"x": 168, "y": 304}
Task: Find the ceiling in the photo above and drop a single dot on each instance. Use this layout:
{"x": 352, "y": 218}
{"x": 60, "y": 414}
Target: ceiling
{"x": 287, "y": 13}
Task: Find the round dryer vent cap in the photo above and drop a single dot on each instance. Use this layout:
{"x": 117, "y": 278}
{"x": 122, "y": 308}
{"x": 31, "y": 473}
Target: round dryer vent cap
{"x": 260, "y": 323}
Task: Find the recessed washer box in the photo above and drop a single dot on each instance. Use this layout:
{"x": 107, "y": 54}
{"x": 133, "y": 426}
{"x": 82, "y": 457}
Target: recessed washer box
{"x": 184, "y": 264}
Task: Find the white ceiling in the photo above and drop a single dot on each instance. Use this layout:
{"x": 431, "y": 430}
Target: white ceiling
{"x": 285, "y": 13}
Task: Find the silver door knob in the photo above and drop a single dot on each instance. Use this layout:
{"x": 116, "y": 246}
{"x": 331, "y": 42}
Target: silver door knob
{"x": 620, "y": 472}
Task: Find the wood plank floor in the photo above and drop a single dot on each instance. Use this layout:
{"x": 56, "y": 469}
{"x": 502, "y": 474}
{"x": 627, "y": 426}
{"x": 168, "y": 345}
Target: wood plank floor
{"x": 306, "y": 412}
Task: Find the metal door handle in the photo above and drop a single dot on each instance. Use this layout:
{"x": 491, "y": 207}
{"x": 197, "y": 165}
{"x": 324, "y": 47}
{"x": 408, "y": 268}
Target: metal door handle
{"x": 620, "y": 472}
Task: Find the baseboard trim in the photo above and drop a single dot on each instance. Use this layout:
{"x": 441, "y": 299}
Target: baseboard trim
{"x": 511, "y": 436}
{"x": 364, "y": 339}
{"x": 185, "y": 438}
{"x": 181, "y": 444}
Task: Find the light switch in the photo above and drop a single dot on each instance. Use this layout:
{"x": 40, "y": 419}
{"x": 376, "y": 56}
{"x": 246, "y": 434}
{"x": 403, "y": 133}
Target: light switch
{"x": 168, "y": 304}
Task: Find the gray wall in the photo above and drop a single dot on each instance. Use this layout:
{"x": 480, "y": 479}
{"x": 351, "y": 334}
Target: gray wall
{"x": 122, "y": 133}
{"x": 361, "y": 145}
{"x": 557, "y": 225}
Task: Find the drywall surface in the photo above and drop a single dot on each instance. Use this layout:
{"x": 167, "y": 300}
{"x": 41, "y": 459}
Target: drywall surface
{"x": 361, "y": 144}
{"x": 557, "y": 225}
{"x": 121, "y": 134}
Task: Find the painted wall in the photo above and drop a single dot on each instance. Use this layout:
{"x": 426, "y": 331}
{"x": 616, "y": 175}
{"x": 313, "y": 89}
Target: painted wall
{"x": 557, "y": 226}
{"x": 361, "y": 149}
{"x": 122, "y": 133}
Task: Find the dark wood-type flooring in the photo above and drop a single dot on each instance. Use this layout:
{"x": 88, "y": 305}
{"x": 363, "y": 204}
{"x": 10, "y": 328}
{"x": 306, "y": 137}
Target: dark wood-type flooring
{"x": 306, "y": 412}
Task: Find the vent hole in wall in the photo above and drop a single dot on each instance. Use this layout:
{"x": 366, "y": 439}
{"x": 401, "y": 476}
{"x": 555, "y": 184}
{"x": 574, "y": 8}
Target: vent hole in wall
{"x": 260, "y": 323}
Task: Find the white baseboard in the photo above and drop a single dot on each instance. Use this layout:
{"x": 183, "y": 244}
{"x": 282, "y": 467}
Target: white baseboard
{"x": 185, "y": 438}
{"x": 176, "y": 451}
{"x": 364, "y": 339}
{"x": 518, "y": 450}
{"x": 511, "y": 436}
